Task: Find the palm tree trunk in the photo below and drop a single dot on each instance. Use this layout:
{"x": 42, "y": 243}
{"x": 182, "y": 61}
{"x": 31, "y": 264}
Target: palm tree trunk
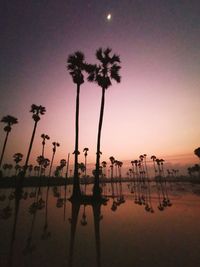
{"x": 96, "y": 189}
{"x": 76, "y": 185}
{"x": 4, "y": 146}
{"x": 51, "y": 164}
{"x": 29, "y": 150}
{"x": 43, "y": 157}
{"x": 74, "y": 219}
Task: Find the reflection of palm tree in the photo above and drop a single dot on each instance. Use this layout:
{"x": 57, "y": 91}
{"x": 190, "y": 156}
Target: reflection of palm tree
{"x": 46, "y": 234}
{"x": 102, "y": 74}
{"x": 37, "y": 111}
{"x": 9, "y": 120}
{"x": 76, "y": 67}
{"x": 55, "y": 144}
{"x": 73, "y": 220}
{"x": 96, "y": 207}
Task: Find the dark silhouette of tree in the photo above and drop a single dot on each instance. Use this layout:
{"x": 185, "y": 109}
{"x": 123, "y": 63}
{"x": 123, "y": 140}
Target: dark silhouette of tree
{"x": 104, "y": 163}
{"x": 112, "y": 160}
{"x": 76, "y": 66}
{"x": 197, "y": 152}
{"x": 37, "y": 111}
{"x": 9, "y": 120}
{"x": 63, "y": 163}
{"x": 85, "y": 155}
{"x": 55, "y": 144}
{"x": 17, "y": 157}
{"x": 44, "y": 138}
{"x": 102, "y": 74}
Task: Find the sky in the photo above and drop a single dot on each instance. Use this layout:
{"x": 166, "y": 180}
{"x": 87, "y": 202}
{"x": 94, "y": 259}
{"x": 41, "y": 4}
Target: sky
{"x": 154, "y": 110}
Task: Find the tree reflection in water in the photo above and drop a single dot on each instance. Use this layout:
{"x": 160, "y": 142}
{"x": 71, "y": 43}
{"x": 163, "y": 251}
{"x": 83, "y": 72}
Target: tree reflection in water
{"x": 140, "y": 193}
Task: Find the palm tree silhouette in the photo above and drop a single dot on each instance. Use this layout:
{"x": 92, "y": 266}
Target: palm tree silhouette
{"x": 17, "y": 157}
{"x": 102, "y": 74}
{"x": 197, "y": 152}
{"x": 55, "y": 144}
{"x": 76, "y": 66}
{"x": 63, "y": 163}
{"x": 44, "y": 138}
{"x": 85, "y": 154}
{"x": 85, "y": 178}
{"x": 9, "y": 120}
{"x": 37, "y": 111}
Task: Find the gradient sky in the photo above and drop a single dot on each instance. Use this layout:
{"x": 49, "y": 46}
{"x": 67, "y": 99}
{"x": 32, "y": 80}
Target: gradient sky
{"x": 154, "y": 110}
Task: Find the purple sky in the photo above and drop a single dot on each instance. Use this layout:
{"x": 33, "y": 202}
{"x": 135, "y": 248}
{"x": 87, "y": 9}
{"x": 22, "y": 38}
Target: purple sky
{"x": 154, "y": 110}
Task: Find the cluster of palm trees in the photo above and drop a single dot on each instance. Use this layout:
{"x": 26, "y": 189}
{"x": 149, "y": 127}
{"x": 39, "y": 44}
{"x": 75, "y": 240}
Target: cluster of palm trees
{"x": 102, "y": 73}
{"x": 42, "y": 161}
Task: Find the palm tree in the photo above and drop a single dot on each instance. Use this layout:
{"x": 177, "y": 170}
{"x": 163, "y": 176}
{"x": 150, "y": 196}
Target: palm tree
{"x": 9, "y": 120}
{"x": 37, "y": 111}
{"x": 17, "y": 157}
{"x": 63, "y": 163}
{"x": 104, "y": 163}
{"x": 44, "y": 138}
{"x": 112, "y": 160}
{"x": 76, "y": 66}
{"x": 102, "y": 74}
{"x": 85, "y": 154}
{"x": 154, "y": 165}
{"x": 197, "y": 152}
{"x": 55, "y": 144}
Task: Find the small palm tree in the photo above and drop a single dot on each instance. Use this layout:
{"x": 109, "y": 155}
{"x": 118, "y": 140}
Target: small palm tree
{"x": 17, "y": 157}
{"x": 55, "y": 144}
{"x": 104, "y": 163}
{"x": 44, "y": 138}
{"x": 112, "y": 160}
{"x": 197, "y": 152}
{"x": 103, "y": 74}
{"x": 63, "y": 163}
{"x": 76, "y": 66}
{"x": 85, "y": 154}
{"x": 37, "y": 111}
{"x": 9, "y": 120}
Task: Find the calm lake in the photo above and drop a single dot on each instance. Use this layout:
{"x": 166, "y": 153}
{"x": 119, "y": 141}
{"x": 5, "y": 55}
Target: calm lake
{"x": 137, "y": 227}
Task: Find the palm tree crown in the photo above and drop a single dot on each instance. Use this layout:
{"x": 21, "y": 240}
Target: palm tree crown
{"x": 106, "y": 71}
{"x": 9, "y": 120}
{"x": 17, "y": 157}
{"x": 76, "y": 65}
{"x": 37, "y": 110}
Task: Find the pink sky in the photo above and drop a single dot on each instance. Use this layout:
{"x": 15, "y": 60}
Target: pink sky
{"x": 154, "y": 110}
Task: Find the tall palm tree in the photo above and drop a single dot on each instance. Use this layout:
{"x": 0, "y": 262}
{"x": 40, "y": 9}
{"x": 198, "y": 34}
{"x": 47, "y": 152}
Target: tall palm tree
{"x": 103, "y": 74}
{"x": 37, "y": 111}
{"x": 9, "y": 120}
{"x": 76, "y": 66}
{"x": 55, "y": 144}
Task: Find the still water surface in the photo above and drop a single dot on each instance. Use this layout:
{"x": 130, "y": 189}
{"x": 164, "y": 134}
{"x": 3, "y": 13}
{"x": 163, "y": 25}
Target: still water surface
{"x": 121, "y": 233}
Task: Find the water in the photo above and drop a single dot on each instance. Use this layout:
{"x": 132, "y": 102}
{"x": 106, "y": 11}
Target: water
{"x": 101, "y": 235}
